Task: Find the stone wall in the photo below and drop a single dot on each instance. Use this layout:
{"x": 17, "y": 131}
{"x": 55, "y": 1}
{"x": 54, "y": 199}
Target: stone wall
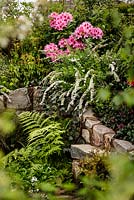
{"x": 99, "y": 137}
{"x": 22, "y": 99}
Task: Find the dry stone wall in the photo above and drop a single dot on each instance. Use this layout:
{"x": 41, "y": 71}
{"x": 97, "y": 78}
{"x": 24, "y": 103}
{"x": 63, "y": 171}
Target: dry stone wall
{"x": 97, "y": 136}
{"x": 22, "y": 99}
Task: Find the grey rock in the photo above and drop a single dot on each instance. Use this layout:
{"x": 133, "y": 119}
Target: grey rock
{"x": 79, "y": 151}
{"x": 37, "y": 97}
{"x": 122, "y": 146}
{"x": 86, "y": 135}
{"x": 98, "y": 134}
{"x": 19, "y": 99}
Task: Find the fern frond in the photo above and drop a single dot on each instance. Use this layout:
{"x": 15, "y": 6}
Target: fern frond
{"x": 42, "y": 135}
{"x": 28, "y": 129}
{"x": 46, "y": 122}
{"x": 41, "y": 118}
{"x": 35, "y": 117}
{"x": 27, "y": 119}
{"x": 56, "y": 149}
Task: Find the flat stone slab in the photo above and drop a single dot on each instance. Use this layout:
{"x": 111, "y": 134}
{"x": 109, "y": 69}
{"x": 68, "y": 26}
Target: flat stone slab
{"x": 79, "y": 151}
{"x": 122, "y": 146}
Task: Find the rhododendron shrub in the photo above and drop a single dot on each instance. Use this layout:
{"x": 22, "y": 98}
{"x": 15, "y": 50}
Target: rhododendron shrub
{"x": 74, "y": 41}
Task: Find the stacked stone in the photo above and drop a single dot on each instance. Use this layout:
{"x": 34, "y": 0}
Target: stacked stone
{"x": 22, "y": 99}
{"x": 97, "y": 138}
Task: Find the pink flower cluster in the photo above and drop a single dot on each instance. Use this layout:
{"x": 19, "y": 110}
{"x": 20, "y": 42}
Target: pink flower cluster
{"x": 60, "y": 21}
{"x": 86, "y": 30}
{"x": 72, "y": 42}
{"x": 52, "y": 51}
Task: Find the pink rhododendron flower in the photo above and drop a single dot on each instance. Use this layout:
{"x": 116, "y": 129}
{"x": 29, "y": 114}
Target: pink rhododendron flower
{"x": 96, "y": 33}
{"x": 51, "y": 47}
{"x": 83, "y": 31}
{"x": 76, "y": 44}
{"x": 52, "y": 56}
{"x": 53, "y": 52}
{"x": 60, "y": 21}
{"x": 62, "y": 43}
{"x": 67, "y": 51}
{"x": 53, "y": 15}
{"x": 86, "y": 30}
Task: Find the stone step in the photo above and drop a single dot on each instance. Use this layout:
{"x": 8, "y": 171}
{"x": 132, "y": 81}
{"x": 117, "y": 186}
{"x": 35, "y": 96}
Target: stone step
{"x": 79, "y": 151}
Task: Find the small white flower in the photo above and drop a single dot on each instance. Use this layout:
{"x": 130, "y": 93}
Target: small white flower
{"x": 34, "y": 179}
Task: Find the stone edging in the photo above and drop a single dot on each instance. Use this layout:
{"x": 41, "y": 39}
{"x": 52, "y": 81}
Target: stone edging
{"x": 97, "y": 136}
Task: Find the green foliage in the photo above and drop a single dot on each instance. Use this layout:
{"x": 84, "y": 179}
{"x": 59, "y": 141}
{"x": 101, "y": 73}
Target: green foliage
{"x": 121, "y": 180}
{"x": 119, "y": 185}
{"x": 75, "y": 83}
{"x": 118, "y": 118}
{"x": 23, "y": 62}
{"x": 41, "y": 134}
{"x": 7, "y": 122}
{"x": 38, "y": 160}
{"x": 68, "y": 90}
{"x": 96, "y": 166}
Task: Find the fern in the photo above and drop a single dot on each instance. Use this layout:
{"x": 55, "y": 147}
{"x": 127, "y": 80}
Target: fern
{"x": 42, "y": 135}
